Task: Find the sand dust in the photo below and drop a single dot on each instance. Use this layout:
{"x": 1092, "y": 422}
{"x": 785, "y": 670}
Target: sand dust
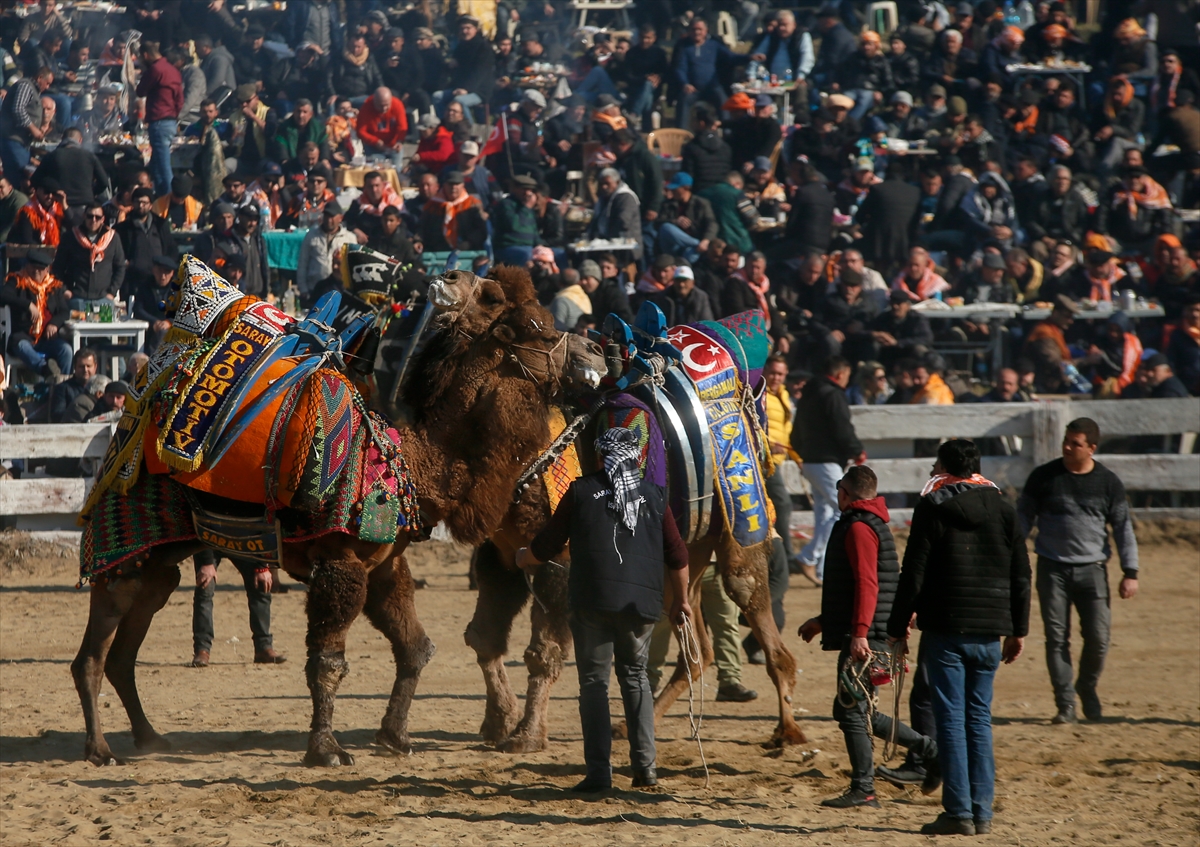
{"x": 234, "y": 776}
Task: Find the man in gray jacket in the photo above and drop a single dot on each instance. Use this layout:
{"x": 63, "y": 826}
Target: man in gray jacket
{"x": 618, "y": 211}
{"x": 1073, "y": 501}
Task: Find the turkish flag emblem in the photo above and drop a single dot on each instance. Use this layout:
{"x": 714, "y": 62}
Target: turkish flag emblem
{"x": 702, "y": 356}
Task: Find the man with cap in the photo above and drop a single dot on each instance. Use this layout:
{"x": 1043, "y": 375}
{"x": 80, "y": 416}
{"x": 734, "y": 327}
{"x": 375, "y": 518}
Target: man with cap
{"x": 217, "y": 63}
{"x": 865, "y": 74}
{"x": 110, "y": 405}
{"x": 254, "y": 128}
{"x": 606, "y": 295}
{"x": 683, "y": 302}
{"x": 320, "y": 245}
{"x": 1161, "y": 379}
{"x": 265, "y": 191}
{"x": 1046, "y": 346}
{"x": 837, "y": 43}
{"x": 899, "y": 332}
{"x": 144, "y": 236}
{"x": 902, "y": 121}
{"x": 149, "y": 305}
{"x": 515, "y": 224}
{"x": 563, "y": 135}
{"x": 39, "y": 308}
{"x": 472, "y": 65}
{"x": 935, "y": 103}
{"x": 434, "y": 72}
{"x": 686, "y": 224}
{"x": 178, "y": 206}
{"x": 624, "y": 547}
{"x": 523, "y": 147}
{"x": 706, "y": 157}
{"x": 253, "y": 61}
{"x": 453, "y": 219}
{"x": 987, "y": 284}
{"x": 435, "y": 149}
{"x": 477, "y": 178}
{"x": 382, "y": 123}
{"x": 219, "y": 240}
{"x": 235, "y": 193}
{"x": 253, "y": 251}
{"x": 755, "y": 135}
{"x": 105, "y": 116}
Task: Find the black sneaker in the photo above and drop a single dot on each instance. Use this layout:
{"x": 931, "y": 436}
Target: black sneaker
{"x": 946, "y": 825}
{"x": 647, "y": 778}
{"x": 850, "y": 800}
{"x": 1065, "y": 715}
{"x": 903, "y": 776}
{"x": 1092, "y": 710}
{"x": 983, "y": 827}
{"x": 736, "y": 693}
{"x": 593, "y": 785}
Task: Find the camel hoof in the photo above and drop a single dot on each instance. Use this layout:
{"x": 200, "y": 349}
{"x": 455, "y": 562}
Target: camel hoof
{"x": 327, "y": 759}
{"x": 103, "y": 758}
{"x": 153, "y": 744}
{"x": 522, "y": 744}
{"x": 787, "y": 736}
{"x": 496, "y": 728}
{"x": 620, "y": 730}
{"x": 397, "y": 746}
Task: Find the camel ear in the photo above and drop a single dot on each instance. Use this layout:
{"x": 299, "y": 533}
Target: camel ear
{"x": 504, "y": 334}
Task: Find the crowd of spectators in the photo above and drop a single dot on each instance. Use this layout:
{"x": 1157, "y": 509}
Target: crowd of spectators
{"x": 925, "y": 163}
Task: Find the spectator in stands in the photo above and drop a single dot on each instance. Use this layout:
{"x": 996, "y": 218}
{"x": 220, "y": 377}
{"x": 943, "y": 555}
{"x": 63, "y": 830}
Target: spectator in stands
{"x": 11, "y": 202}
{"x": 514, "y": 224}
{"x": 435, "y": 150}
{"x": 734, "y": 211}
{"x": 900, "y": 332}
{"x": 755, "y": 136}
{"x": 365, "y": 214}
{"x": 823, "y": 436}
{"x": 683, "y": 302}
{"x": 393, "y": 239}
{"x": 698, "y": 62}
{"x": 606, "y": 294}
{"x": 299, "y": 129}
{"x": 110, "y": 405}
{"x": 78, "y": 172}
{"x": 453, "y": 219}
{"x": 837, "y": 44}
{"x": 179, "y": 207}
{"x": 472, "y": 63}
{"x": 687, "y": 224}
{"x": 901, "y": 120}
{"x": 889, "y": 217}
{"x": 1183, "y": 347}
{"x": 874, "y": 286}
{"x": 1114, "y": 357}
{"x": 90, "y": 261}
{"x": 810, "y": 222}
{"x": 707, "y": 158}
{"x": 1136, "y": 210}
{"x": 39, "y": 305}
{"x": 865, "y": 75}
{"x": 162, "y": 86}
{"x": 21, "y": 121}
{"x": 919, "y": 279}
{"x": 144, "y": 236}
{"x": 906, "y": 68}
{"x": 355, "y": 74}
{"x": 150, "y": 300}
{"x": 1025, "y": 275}
{"x": 318, "y": 248}
{"x": 871, "y": 386}
{"x": 931, "y": 388}
{"x": 39, "y": 221}
{"x": 1006, "y": 388}
{"x": 641, "y": 171}
{"x": 618, "y": 211}
{"x": 80, "y": 408}
{"x": 571, "y": 302}
{"x": 382, "y": 123}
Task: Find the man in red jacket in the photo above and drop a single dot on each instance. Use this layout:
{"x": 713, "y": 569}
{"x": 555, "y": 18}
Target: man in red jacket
{"x": 435, "y": 150}
{"x": 162, "y": 86}
{"x": 382, "y": 123}
{"x": 862, "y": 572}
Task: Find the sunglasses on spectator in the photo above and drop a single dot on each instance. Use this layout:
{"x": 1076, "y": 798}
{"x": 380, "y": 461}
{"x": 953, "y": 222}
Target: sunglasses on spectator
{"x": 94, "y": 217}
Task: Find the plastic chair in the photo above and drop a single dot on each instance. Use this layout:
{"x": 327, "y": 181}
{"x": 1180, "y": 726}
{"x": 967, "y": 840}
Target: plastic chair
{"x": 668, "y": 142}
{"x": 727, "y": 30}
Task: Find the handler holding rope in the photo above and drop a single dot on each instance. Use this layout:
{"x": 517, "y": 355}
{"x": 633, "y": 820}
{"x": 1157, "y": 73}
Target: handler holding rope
{"x": 861, "y": 575}
{"x": 621, "y": 533}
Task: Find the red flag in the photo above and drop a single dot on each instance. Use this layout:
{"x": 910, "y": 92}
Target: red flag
{"x": 495, "y": 141}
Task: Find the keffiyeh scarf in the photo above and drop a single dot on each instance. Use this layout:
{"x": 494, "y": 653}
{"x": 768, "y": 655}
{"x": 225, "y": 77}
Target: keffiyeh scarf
{"x": 618, "y": 449}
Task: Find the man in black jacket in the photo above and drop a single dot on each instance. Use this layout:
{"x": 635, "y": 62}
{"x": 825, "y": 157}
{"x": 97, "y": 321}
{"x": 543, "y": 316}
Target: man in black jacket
{"x": 824, "y": 437}
{"x": 144, "y": 235}
{"x": 889, "y": 217}
{"x": 90, "y": 261}
{"x": 966, "y": 577}
{"x": 472, "y": 77}
{"x": 706, "y": 157}
{"x": 899, "y": 331}
{"x": 686, "y": 224}
{"x": 810, "y": 223}
{"x": 39, "y": 309}
{"x": 402, "y": 71}
{"x": 645, "y": 68}
{"x": 78, "y": 172}
{"x": 623, "y": 539}
{"x": 861, "y": 574}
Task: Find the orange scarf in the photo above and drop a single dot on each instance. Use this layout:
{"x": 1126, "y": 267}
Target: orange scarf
{"x": 1029, "y": 124}
{"x": 1192, "y": 331}
{"x": 97, "y": 249}
{"x": 929, "y": 284}
{"x": 1102, "y": 286}
{"x": 41, "y": 297}
{"x": 389, "y": 198}
{"x": 451, "y": 209}
{"x": 1154, "y": 197}
{"x": 943, "y": 479}
{"x": 44, "y": 221}
{"x": 1118, "y": 97}
{"x": 760, "y": 290}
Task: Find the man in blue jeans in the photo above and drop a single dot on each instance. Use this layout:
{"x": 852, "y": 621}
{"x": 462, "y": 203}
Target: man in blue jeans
{"x": 966, "y": 576}
{"x": 162, "y": 86}
{"x": 697, "y": 62}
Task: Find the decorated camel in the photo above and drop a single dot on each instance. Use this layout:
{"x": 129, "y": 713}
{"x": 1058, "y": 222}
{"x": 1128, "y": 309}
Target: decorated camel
{"x": 697, "y": 382}
{"x": 251, "y": 433}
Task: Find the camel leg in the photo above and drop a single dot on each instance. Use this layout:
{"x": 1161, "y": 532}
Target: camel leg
{"x": 157, "y": 585}
{"x": 336, "y": 594}
{"x": 391, "y": 610}
{"x": 744, "y": 574}
{"x": 502, "y": 595}
{"x": 549, "y": 645}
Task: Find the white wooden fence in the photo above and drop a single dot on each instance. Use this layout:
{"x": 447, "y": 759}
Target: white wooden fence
{"x": 47, "y": 503}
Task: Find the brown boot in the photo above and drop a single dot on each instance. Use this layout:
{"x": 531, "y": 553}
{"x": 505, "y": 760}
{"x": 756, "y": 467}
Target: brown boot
{"x": 268, "y": 657}
{"x": 200, "y": 660}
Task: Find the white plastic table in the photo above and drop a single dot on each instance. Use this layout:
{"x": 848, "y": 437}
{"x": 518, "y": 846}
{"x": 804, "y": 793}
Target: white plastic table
{"x": 112, "y": 331}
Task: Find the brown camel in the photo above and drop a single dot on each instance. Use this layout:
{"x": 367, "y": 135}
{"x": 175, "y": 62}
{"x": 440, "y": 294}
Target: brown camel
{"x": 479, "y": 396}
{"x": 503, "y": 593}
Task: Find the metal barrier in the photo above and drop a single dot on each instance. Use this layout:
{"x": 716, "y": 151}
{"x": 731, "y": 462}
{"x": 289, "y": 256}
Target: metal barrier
{"x": 47, "y": 503}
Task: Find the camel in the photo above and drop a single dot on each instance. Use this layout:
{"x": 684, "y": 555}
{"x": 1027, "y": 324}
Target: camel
{"x": 479, "y": 399}
{"x": 504, "y": 592}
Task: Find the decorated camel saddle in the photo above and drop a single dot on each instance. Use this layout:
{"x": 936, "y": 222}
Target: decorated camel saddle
{"x": 242, "y": 404}
{"x": 689, "y": 393}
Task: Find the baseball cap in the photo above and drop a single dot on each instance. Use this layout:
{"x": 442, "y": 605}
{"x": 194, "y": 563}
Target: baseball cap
{"x": 1155, "y": 360}
{"x": 222, "y": 209}
{"x": 864, "y": 163}
{"x": 937, "y": 90}
{"x": 165, "y": 261}
{"x": 902, "y": 97}
{"x": 270, "y": 168}
{"x": 535, "y": 97}
{"x": 471, "y": 148}
{"x": 429, "y": 122}
{"x": 898, "y": 296}
{"x": 683, "y": 178}
{"x": 993, "y": 261}
{"x": 957, "y": 106}
{"x": 39, "y": 257}
{"x": 245, "y": 92}
{"x": 684, "y": 272}
{"x": 763, "y": 100}
{"x": 762, "y": 163}
{"x": 454, "y": 178}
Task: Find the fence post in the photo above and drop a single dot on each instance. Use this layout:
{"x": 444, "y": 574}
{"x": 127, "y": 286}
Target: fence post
{"x": 1049, "y": 421}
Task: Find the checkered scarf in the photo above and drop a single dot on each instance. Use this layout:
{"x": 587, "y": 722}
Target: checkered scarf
{"x": 618, "y": 448}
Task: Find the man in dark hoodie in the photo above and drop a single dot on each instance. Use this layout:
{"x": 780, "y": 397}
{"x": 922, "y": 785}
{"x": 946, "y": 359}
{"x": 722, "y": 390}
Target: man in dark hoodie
{"x": 861, "y": 574}
{"x": 966, "y": 577}
{"x": 707, "y": 157}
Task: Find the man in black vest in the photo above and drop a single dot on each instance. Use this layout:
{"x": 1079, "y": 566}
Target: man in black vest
{"x": 622, "y": 534}
{"x": 862, "y": 571}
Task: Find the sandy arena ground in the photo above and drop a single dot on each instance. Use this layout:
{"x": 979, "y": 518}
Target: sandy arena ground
{"x": 235, "y": 778}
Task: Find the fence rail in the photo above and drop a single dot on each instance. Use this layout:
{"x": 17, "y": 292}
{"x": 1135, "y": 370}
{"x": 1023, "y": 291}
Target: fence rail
{"x": 40, "y": 502}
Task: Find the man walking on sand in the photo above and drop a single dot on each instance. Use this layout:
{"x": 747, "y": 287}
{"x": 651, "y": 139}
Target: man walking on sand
{"x": 1073, "y": 501}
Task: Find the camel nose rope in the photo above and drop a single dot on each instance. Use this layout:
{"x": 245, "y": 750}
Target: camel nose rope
{"x": 527, "y": 359}
{"x": 692, "y": 657}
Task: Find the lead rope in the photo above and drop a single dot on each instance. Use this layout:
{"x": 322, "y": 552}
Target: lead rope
{"x": 898, "y": 666}
{"x": 690, "y": 647}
